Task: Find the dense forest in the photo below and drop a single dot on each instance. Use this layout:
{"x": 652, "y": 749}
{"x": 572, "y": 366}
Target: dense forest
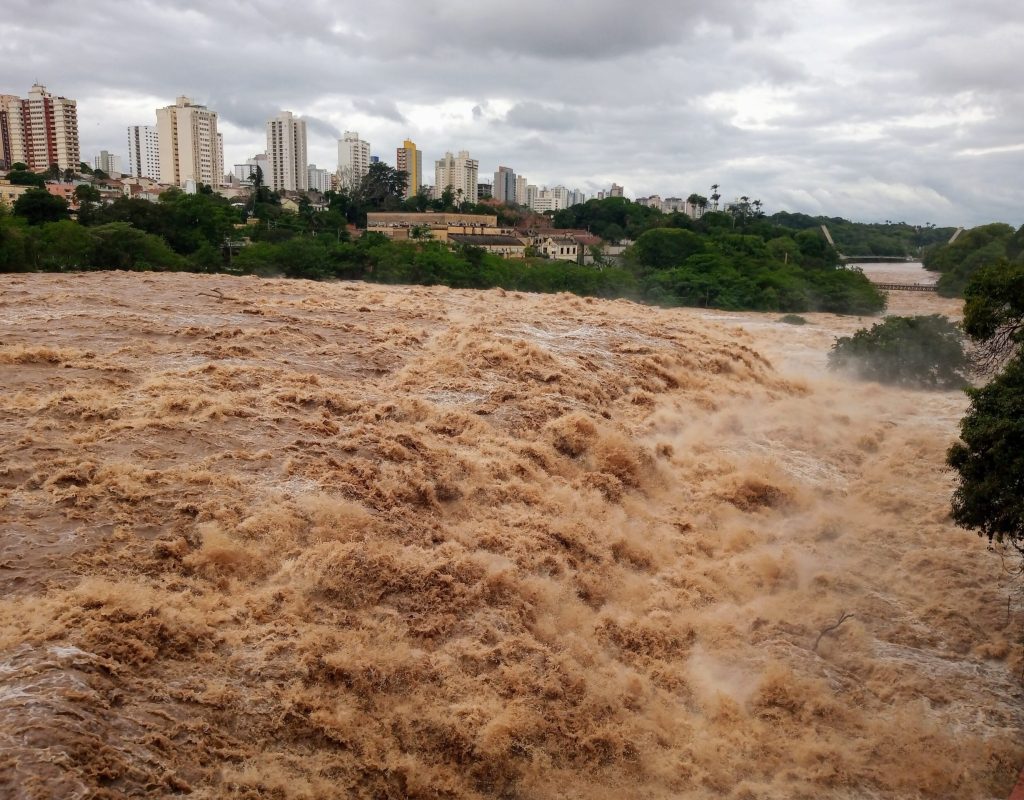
{"x": 972, "y": 250}
{"x": 722, "y": 260}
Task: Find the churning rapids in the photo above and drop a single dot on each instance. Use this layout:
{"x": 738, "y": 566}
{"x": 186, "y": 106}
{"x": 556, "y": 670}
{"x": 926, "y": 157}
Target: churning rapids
{"x": 281, "y": 539}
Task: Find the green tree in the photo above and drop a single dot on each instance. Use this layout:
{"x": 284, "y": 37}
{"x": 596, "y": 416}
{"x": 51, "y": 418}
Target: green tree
{"x": 38, "y": 206}
{"x": 989, "y": 459}
{"x": 994, "y": 311}
{"x": 119, "y": 245}
{"x": 63, "y": 245}
{"x": 662, "y": 248}
{"x": 923, "y": 351}
{"x": 20, "y": 175}
{"x": 15, "y": 243}
{"x": 382, "y": 187}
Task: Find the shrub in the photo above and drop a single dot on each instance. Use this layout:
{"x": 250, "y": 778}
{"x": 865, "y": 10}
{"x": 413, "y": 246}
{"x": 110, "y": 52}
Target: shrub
{"x": 924, "y": 351}
{"x": 793, "y": 319}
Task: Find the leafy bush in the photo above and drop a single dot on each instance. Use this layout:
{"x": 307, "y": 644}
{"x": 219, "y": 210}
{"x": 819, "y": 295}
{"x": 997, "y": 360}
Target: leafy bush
{"x": 793, "y": 319}
{"x": 924, "y": 351}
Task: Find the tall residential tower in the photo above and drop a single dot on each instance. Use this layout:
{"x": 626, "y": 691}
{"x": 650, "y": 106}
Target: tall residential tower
{"x": 458, "y": 172}
{"x": 144, "y": 152}
{"x": 410, "y": 160}
{"x": 191, "y": 150}
{"x": 286, "y": 150}
{"x": 353, "y": 160}
{"x": 39, "y": 130}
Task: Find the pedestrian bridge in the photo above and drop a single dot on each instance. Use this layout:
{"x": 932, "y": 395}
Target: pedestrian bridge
{"x": 905, "y": 287}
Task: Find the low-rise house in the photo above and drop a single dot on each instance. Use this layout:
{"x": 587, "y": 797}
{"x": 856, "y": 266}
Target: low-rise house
{"x": 561, "y": 248}
{"x": 503, "y": 245}
{"x": 10, "y": 192}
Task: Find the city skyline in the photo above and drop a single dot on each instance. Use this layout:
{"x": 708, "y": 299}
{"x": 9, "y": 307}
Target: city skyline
{"x": 868, "y": 110}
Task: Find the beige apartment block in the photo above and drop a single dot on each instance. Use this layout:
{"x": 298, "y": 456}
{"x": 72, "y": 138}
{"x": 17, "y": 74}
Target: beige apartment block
{"x": 191, "y": 149}
{"x": 39, "y": 130}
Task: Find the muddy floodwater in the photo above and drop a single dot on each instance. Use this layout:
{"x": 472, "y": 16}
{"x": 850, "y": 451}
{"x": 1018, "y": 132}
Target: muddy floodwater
{"x": 284, "y": 539}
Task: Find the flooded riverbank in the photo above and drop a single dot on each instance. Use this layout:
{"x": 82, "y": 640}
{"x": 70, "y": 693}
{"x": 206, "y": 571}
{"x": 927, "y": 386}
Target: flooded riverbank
{"x": 310, "y": 540}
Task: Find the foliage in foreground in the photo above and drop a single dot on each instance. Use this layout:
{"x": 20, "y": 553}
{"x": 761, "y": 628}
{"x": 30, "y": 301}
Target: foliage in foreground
{"x": 989, "y": 459}
{"x": 924, "y": 351}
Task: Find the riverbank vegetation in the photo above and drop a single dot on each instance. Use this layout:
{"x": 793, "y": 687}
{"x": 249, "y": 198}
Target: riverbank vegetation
{"x": 974, "y": 249}
{"x": 722, "y": 260}
{"x": 989, "y": 458}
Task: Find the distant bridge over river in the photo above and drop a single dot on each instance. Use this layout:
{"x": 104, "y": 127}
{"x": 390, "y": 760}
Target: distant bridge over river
{"x": 905, "y": 287}
{"x": 871, "y": 259}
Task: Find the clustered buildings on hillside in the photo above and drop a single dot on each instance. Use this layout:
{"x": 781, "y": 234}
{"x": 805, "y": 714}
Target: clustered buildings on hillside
{"x": 185, "y": 148}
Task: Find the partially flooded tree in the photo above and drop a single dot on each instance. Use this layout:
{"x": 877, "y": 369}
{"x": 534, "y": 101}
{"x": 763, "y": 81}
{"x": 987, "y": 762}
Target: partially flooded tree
{"x": 925, "y": 352}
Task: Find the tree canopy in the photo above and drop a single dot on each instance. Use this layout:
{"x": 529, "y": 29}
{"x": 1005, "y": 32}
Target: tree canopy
{"x": 989, "y": 458}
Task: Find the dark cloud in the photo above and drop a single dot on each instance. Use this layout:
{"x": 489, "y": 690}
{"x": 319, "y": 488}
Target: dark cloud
{"x": 540, "y": 117}
{"x": 321, "y": 127}
{"x": 385, "y": 109}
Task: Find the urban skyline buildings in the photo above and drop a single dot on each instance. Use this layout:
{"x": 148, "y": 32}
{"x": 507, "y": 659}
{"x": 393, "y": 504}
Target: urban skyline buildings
{"x": 191, "y": 153}
{"x": 286, "y": 153}
{"x": 191, "y": 148}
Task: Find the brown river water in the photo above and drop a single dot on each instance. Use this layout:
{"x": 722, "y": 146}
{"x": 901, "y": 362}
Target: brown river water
{"x": 282, "y": 539}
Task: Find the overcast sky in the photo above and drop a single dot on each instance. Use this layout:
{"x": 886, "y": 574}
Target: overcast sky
{"x": 868, "y": 109}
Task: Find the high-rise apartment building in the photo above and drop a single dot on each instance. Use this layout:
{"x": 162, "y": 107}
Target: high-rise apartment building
{"x": 109, "y": 163}
{"x": 458, "y": 172}
{"x": 504, "y": 190}
{"x": 191, "y": 149}
{"x": 39, "y": 130}
{"x": 143, "y": 152}
{"x": 353, "y": 160}
{"x": 521, "y": 190}
{"x": 12, "y": 146}
{"x": 409, "y": 159}
{"x": 286, "y": 149}
{"x": 319, "y": 179}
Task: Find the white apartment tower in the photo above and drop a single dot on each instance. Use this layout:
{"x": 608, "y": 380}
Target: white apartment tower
{"x": 410, "y": 160}
{"x": 286, "y": 151}
{"x": 144, "y": 152}
{"x": 191, "y": 149}
{"x": 353, "y": 160}
{"x": 39, "y": 130}
{"x": 460, "y": 173}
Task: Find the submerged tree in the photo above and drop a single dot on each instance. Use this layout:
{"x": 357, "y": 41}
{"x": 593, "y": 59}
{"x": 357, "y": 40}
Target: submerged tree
{"x": 925, "y": 352}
